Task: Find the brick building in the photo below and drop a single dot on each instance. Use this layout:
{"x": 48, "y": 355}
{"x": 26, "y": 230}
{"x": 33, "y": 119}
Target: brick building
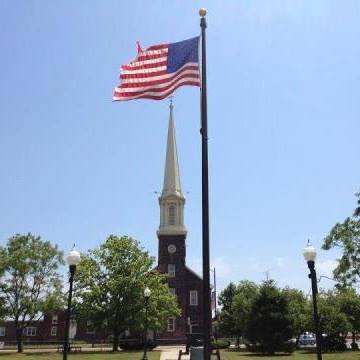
{"x": 49, "y": 329}
{"x": 185, "y": 284}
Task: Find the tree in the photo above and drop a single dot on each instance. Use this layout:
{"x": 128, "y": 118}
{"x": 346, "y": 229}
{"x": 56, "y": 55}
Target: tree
{"x": 246, "y": 293}
{"x": 299, "y": 310}
{"x": 109, "y": 288}
{"x": 349, "y": 304}
{"x": 346, "y": 236}
{"x": 30, "y": 282}
{"x": 333, "y": 322}
{"x": 226, "y": 298}
{"x": 269, "y": 324}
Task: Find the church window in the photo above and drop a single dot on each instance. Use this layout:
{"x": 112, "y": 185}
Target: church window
{"x": 90, "y": 329}
{"x": 172, "y": 214}
{"x": 171, "y": 270}
{"x": 173, "y": 292}
{"x": 2, "y": 331}
{"x": 54, "y": 319}
{"x": 53, "y": 331}
{"x": 193, "y": 297}
{"x": 171, "y": 325}
{"x": 29, "y": 331}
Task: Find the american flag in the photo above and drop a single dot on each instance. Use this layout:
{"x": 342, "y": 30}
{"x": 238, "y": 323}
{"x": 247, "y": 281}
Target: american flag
{"x": 159, "y": 70}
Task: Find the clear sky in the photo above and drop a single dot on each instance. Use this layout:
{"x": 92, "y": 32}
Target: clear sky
{"x": 283, "y": 105}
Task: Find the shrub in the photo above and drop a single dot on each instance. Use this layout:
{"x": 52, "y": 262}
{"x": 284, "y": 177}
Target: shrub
{"x": 220, "y": 344}
{"x": 333, "y": 343}
{"x": 135, "y": 344}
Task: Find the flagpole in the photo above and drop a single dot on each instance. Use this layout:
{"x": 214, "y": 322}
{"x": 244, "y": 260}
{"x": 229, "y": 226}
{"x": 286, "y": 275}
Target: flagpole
{"x": 205, "y": 196}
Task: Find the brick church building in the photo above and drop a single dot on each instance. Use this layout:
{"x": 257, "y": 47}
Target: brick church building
{"x": 184, "y": 283}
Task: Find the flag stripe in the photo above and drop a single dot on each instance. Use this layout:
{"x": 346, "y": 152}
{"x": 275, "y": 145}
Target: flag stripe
{"x": 164, "y": 79}
{"x": 138, "y": 82}
{"x": 148, "y": 64}
{"x": 151, "y": 54}
{"x": 152, "y": 95}
{"x": 151, "y": 76}
{"x": 157, "y": 47}
{"x": 161, "y": 70}
{"x": 155, "y": 85}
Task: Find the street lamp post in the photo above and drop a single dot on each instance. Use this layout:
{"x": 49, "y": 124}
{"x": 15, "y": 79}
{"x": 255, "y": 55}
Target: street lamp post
{"x": 147, "y": 293}
{"x": 73, "y": 259}
{"x": 310, "y": 256}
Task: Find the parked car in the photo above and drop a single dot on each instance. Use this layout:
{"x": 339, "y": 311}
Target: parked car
{"x": 307, "y": 339}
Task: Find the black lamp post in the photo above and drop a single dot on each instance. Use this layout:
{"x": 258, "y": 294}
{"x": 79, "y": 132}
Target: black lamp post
{"x": 310, "y": 256}
{"x": 73, "y": 259}
{"x": 147, "y": 293}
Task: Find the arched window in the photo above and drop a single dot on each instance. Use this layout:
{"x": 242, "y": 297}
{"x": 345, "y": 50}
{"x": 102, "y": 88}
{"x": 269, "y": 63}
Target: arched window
{"x": 172, "y": 214}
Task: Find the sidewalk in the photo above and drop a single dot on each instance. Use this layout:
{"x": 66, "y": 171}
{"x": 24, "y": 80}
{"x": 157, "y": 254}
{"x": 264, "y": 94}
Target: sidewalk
{"x": 172, "y": 353}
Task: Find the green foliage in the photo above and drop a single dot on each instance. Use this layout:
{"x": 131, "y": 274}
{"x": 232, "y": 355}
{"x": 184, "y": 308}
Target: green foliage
{"x": 299, "y": 310}
{"x": 236, "y": 301}
{"x": 333, "y": 321}
{"x": 346, "y": 236}
{"x": 109, "y": 288}
{"x": 269, "y": 325}
{"x": 349, "y": 304}
{"x": 30, "y": 283}
{"x": 220, "y": 344}
{"x": 226, "y": 298}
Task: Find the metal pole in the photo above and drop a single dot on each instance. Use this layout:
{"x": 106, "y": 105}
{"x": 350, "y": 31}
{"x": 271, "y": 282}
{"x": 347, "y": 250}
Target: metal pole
{"x": 68, "y": 312}
{"x": 146, "y": 327}
{"x": 215, "y": 306}
{"x": 205, "y": 196}
{"x": 215, "y": 297}
{"x": 312, "y": 276}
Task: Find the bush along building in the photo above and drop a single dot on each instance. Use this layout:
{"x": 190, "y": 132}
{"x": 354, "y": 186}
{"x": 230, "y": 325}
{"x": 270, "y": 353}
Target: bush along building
{"x": 185, "y": 284}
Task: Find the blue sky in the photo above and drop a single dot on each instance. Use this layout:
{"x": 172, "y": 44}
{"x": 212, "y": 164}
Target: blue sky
{"x": 283, "y": 104}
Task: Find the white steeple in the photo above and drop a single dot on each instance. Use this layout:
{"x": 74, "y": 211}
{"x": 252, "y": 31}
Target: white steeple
{"x": 172, "y": 199}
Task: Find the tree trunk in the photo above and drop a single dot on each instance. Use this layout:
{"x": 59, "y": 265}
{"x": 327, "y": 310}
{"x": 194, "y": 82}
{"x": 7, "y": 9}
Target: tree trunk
{"x": 353, "y": 339}
{"x": 116, "y": 332}
{"x": 116, "y": 338}
{"x": 19, "y": 339}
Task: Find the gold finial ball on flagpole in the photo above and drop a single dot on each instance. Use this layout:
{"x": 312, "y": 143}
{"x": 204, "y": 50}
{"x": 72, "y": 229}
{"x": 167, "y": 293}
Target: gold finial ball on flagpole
{"x": 202, "y": 12}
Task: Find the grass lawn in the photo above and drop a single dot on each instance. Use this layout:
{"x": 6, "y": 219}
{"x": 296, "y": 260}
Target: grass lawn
{"x": 299, "y": 355}
{"x": 135, "y": 355}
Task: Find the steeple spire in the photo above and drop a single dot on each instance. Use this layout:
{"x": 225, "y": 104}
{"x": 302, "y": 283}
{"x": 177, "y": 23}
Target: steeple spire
{"x": 172, "y": 199}
{"x": 172, "y": 185}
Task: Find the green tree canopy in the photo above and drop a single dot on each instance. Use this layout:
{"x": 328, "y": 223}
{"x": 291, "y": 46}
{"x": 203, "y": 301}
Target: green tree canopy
{"x": 109, "y": 288}
{"x": 299, "y": 310}
{"x": 349, "y": 304}
{"x": 346, "y": 236}
{"x": 246, "y": 293}
{"x": 333, "y": 321}
{"x": 269, "y": 324}
{"x": 30, "y": 283}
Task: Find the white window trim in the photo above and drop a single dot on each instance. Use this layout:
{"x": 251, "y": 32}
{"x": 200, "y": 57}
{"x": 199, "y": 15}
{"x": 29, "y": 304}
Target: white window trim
{"x": 194, "y": 301}
{"x": 171, "y": 324}
{"x": 172, "y": 271}
{"x": 30, "y": 331}
{"x": 54, "y": 319}
{"x": 53, "y": 331}
{"x": 90, "y": 325}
